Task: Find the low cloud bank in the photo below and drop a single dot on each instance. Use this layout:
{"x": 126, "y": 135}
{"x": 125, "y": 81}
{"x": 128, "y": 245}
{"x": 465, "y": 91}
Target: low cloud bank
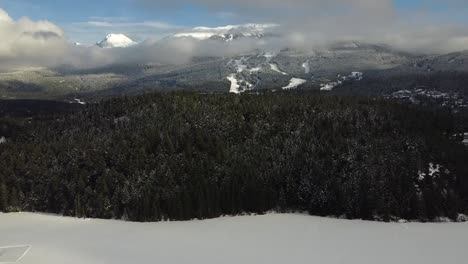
{"x": 305, "y": 24}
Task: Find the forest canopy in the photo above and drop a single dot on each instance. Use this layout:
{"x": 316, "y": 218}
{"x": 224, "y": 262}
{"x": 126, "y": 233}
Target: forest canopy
{"x": 183, "y": 155}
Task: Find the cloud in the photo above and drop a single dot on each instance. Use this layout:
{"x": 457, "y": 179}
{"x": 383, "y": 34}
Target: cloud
{"x": 45, "y": 35}
{"x": 305, "y": 24}
{"x": 168, "y": 51}
{"x": 97, "y": 27}
{"x": 317, "y": 22}
{"x": 111, "y": 24}
{"x": 30, "y": 42}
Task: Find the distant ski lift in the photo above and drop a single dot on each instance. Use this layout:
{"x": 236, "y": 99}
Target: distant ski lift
{"x": 13, "y": 254}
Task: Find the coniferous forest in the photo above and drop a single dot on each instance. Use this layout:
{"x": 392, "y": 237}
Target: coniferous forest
{"x": 185, "y": 155}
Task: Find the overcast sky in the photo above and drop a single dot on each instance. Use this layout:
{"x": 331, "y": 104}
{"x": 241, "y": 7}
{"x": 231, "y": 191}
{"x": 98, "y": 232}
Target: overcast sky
{"x": 39, "y": 32}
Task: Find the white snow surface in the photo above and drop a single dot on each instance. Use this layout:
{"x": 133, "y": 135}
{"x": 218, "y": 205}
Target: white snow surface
{"x": 234, "y": 84}
{"x": 294, "y": 83}
{"x": 276, "y": 68}
{"x": 78, "y": 101}
{"x": 269, "y": 56}
{"x": 116, "y": 41}
{"x": 433, "y": 171}
{"x": 13, "y": 254}
{"x": 272, "y": 239}
{"x": 239, "y": 64}
{"x": 358, "y": 76}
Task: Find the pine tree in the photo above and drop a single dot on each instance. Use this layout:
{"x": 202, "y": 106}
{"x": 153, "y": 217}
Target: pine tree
{"x": 3, "y": 197}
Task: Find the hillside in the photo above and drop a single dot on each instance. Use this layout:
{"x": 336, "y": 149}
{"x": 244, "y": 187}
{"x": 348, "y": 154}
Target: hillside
{"x": 184, "y": 156}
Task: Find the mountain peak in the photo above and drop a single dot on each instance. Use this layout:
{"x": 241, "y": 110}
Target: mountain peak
{"x": 116, "y": 41}
{"x": 227, "y": 33}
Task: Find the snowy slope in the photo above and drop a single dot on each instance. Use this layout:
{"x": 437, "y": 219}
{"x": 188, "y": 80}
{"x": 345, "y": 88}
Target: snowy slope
{"x": 294, "y": 83}
{"x": 272, "y": 239}
{"x": 227, "y": 33}
{"x": 116, "y": 41}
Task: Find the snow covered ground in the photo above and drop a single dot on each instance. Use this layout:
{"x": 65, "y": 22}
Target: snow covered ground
{"x": 357, "y": 76}
{"x": 78, "y": 101}
{"x": 234, "y": 84}
{"x": 276, "y": 68}
{"x": 294, "y": 83}
{"x": 272, "y": 239}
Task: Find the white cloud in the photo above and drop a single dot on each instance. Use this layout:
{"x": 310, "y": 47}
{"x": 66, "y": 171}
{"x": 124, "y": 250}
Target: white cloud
{"x": 31, "y": 42}
{"x": 97, "y": 27}
{"x": 305, "y": 24}
{"x": 4, "y": 17}
{"x": 150, "y": 24}
{"x": 316, "y": 22}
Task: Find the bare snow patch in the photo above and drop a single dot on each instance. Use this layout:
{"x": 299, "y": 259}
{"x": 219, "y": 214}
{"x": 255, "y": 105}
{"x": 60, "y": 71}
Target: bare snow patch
{"x": 238, "y": 85}
{"x": 269, "y": 55}
{"x": 451, "y": 99}
{"x": 328, "y": 86}
{"x": 239, "y": 64}
{"x": 357, "y": 76}
{"x": 78, "y": 101}
{"x": 306, "y": 66}
{"x": 433, "y": 171}
{"x": 462, "y": 218}
{"x": 294, "y": 83}
{"x": 255, "y": 70}
{"x": 276, "y": 68}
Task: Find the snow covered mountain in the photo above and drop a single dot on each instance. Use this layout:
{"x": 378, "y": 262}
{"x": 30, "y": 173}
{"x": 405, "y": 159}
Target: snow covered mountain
{"x": 116, "y": 41}
{"x": 228, "y": 33}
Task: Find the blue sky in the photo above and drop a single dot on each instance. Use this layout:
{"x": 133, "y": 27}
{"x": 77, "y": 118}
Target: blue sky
{"x": 90, "y": 20}
{"x": 129, "y": 17}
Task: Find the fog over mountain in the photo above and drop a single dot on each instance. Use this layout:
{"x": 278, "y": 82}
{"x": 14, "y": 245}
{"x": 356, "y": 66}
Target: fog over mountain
{"x": 305, "y": 25}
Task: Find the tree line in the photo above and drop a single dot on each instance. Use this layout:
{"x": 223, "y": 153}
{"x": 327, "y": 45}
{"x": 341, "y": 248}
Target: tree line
{"x": 184, "y": 155}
